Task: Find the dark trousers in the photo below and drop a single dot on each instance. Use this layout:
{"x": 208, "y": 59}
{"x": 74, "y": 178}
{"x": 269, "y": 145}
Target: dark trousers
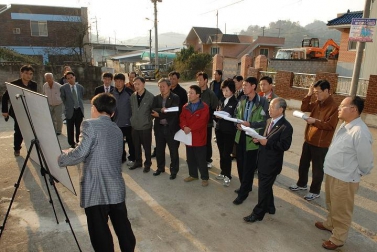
{"x": 225, "y": 144}
{"x": 73, "y": 124}
{"x": 209, "y": 145}
{"x": 317, "y": 156}
{"x": 163, "y": 137}
{"x": 17, "y": 137}
{"x": 127, "y": 136}
{"x": 99, "y": 231}
{"x": 196, "y": 160}
{"x": 246, "y": 165}
{"x": 265, "y": 195}
{"x": 143, "y": 138}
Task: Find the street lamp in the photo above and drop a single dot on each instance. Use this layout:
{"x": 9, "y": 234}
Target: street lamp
{"x": 156, "y": 33}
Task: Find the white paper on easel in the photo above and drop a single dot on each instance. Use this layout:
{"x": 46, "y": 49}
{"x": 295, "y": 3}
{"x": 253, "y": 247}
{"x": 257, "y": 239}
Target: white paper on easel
{"x": 251, "y": 132}
{"x": 181, "y": 136}
{"x": 300, "y": 114}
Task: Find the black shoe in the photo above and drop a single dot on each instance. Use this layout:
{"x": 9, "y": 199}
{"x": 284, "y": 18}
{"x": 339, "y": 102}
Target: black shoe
{"x": 173, "y": 176}
{"x": 237, "y": 190}
{"x": 58, "y": 134}
{"x": 158, "y": 172}
{"x": 272, "y": 210}
{"x": 252, "y": 218}
{"x": 238, "y": 201}
{"x": 146, "y": 170}
{"x": 17, "y": 153}
{"x": 154, "y": 152}
{"x": 135, "y": 166}
{"x": 73, "y": 146}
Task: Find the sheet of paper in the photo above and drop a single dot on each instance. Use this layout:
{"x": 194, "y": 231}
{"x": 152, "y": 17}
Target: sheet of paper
{"x": 235, "y": 120}
{"x": 251, "y": 132}
{"x": 172, "y": 109}
{"x": 221, "y": 114}
{"x": 183, "y": 137}
{"x": 300, "y": 114}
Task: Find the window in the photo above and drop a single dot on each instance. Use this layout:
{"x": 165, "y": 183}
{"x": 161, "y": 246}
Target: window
{"x": 352, "y": 45}
{"x": 263, "y": 51}
{"x": 16, "y": 30}
{"x": 39, "y": 28}
{"x": 215, "y": 50}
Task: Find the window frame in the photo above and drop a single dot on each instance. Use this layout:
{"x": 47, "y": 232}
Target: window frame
{"x": 42, "y": 28}
{"x": 260, "y": 52}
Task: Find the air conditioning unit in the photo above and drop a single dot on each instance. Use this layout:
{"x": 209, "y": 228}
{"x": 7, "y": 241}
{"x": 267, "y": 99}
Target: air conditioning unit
{"x": 16, "y": 30}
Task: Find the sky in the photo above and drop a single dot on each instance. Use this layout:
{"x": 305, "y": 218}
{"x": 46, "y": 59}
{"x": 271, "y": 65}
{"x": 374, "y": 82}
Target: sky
{"x": 126, "y": 19}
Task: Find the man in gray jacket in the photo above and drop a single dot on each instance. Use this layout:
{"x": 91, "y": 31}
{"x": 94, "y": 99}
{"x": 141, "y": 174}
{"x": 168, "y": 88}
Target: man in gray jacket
{"x": 141, "y": 122}
{"x": 102, "y": 186}
{"x": 122, "y": 115}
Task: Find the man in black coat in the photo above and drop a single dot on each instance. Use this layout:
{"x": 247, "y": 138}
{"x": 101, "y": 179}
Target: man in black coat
{"x": 107, "y": 78}
{"x": 270, "y": 158}
{"x": 25, "y": 81}
{"x": 166, "y": 124}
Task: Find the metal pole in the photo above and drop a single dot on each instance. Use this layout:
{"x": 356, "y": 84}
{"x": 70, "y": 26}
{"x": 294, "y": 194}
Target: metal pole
{"x": 359, "y": 55}
{"x": 150, "y": 46}
{"x": 155, "y": 35}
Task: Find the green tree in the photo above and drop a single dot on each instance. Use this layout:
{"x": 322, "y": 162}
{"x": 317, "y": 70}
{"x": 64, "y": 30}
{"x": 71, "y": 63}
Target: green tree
{"x": 189, "y": 62}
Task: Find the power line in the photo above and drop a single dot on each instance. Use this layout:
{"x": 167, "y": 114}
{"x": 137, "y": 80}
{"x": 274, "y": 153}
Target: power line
{"x": 221, "y": 7}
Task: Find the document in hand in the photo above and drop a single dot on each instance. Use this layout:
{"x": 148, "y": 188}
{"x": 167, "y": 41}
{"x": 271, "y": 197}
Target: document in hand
{"x": 171, "y": 109}
{"x": 300, "y": 114}
{"x": 251, "y": 132}
{"x": 226, "y": 116}
{"x": 183, "y": 137}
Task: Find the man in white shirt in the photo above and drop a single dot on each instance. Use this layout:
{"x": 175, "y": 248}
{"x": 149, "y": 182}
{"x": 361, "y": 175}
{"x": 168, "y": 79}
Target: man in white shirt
{"x": 349, "y": 158}
{"x": 52, "y": 90}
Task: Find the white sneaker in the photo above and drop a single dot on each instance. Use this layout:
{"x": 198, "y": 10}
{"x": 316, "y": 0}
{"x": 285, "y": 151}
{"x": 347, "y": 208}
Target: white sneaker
{"x": 209, "y": 165}
{"x": 295, "y": 187}
{"x": 226, "y": 181}
{"x": 311, "y": 196}
{"x": 130, "y": 163}
{"x": 220, "y": 177}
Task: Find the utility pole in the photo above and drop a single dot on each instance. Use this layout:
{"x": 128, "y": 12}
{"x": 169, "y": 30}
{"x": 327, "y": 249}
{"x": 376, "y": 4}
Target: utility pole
{"x": 150, "y": 46}
{"x": 263, "y": 27}
{"x": 156, "y": 33}
{"x": 97, "y": 30}
{"x": 359, "y": 55}
{"x": 279, "y": 31}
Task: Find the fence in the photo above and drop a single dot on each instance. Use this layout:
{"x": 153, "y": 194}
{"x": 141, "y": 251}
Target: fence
{"x": 344, "y": 86}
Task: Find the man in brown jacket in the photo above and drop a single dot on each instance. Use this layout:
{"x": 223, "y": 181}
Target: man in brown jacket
{"x": 319, "y": 131}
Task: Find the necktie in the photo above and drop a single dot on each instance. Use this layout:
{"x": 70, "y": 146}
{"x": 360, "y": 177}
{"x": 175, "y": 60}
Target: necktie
{"x": 270, "y": 128}
{"x": 75, "y": 99}
{"x": 107, "y": 89}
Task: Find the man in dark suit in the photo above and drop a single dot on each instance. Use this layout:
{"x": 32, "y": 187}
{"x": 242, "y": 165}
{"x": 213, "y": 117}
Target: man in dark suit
{"x": 238, "y": 80}
{"x": 26, "y": 73}
{"x": 72, "y": 94}
{"x": 166, "y": 124}
{"x": 103, "y": 190}
{"x": 107, "y": 78}
{"x": 270, "y": 158}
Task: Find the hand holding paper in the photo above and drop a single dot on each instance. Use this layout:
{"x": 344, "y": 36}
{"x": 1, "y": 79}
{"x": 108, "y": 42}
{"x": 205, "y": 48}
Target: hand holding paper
{"x": 251, "y": 132}
{"x": 171, "y": 109}
{"x": 300, "y": 114}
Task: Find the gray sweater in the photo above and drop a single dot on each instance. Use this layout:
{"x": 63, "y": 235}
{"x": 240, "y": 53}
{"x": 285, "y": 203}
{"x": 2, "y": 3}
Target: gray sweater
{"x": 122, "y": 114}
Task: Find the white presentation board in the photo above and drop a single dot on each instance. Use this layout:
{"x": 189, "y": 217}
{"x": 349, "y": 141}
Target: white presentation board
{"x": 40, "y": 116}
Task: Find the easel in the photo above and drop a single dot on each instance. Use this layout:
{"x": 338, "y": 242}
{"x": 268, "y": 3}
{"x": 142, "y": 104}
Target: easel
{"x": 44, "y": 171}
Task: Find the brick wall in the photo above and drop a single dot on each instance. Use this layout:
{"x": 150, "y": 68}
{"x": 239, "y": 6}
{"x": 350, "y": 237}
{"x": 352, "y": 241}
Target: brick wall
{"x": 284, "y": 88}
{"x": 344, "y": 54}
{"x": 217, "y": 64}
{"x": 261, "y": 62}
{"x": 371, "y": 98}
{"x": 303, "y": 66}
{"x": 58, "y": 32}
{"x": 246, "y": 63}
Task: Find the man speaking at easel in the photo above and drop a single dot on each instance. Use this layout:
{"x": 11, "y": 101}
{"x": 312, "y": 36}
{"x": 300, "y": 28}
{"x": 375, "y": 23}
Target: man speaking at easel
{"x": 102, "y": 186}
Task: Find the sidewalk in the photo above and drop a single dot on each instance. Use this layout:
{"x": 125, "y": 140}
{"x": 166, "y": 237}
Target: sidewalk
{"x": 171, "y": 215}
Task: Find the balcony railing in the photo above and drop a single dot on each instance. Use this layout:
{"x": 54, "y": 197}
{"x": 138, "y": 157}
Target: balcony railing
{"x": 303, "y": 80}
{"x": 344, "y": 86}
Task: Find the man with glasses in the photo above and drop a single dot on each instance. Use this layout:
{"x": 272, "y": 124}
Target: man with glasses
{"x": 319, "y": 131}
{"x": 350, "y": 157}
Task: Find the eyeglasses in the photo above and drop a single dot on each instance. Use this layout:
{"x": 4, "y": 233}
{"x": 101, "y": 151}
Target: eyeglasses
{"x": 344, "y": 106}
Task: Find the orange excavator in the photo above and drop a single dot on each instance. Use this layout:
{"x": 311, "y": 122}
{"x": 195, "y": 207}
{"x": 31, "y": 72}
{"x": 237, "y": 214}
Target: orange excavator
{"x": 313, "y": 51}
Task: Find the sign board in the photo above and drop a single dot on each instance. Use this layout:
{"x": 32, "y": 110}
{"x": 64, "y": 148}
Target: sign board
{"x": 362, "y": 29}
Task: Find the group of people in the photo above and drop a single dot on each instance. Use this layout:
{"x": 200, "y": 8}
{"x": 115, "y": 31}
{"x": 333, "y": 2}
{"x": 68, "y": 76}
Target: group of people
{"x": 131, "y": 111}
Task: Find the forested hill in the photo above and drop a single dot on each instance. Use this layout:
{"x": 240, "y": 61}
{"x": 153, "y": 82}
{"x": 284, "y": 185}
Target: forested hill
{"x": 293, "y": 32}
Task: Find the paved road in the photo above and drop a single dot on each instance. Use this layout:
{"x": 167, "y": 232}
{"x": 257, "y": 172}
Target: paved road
{"x": 177, "y": 216}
